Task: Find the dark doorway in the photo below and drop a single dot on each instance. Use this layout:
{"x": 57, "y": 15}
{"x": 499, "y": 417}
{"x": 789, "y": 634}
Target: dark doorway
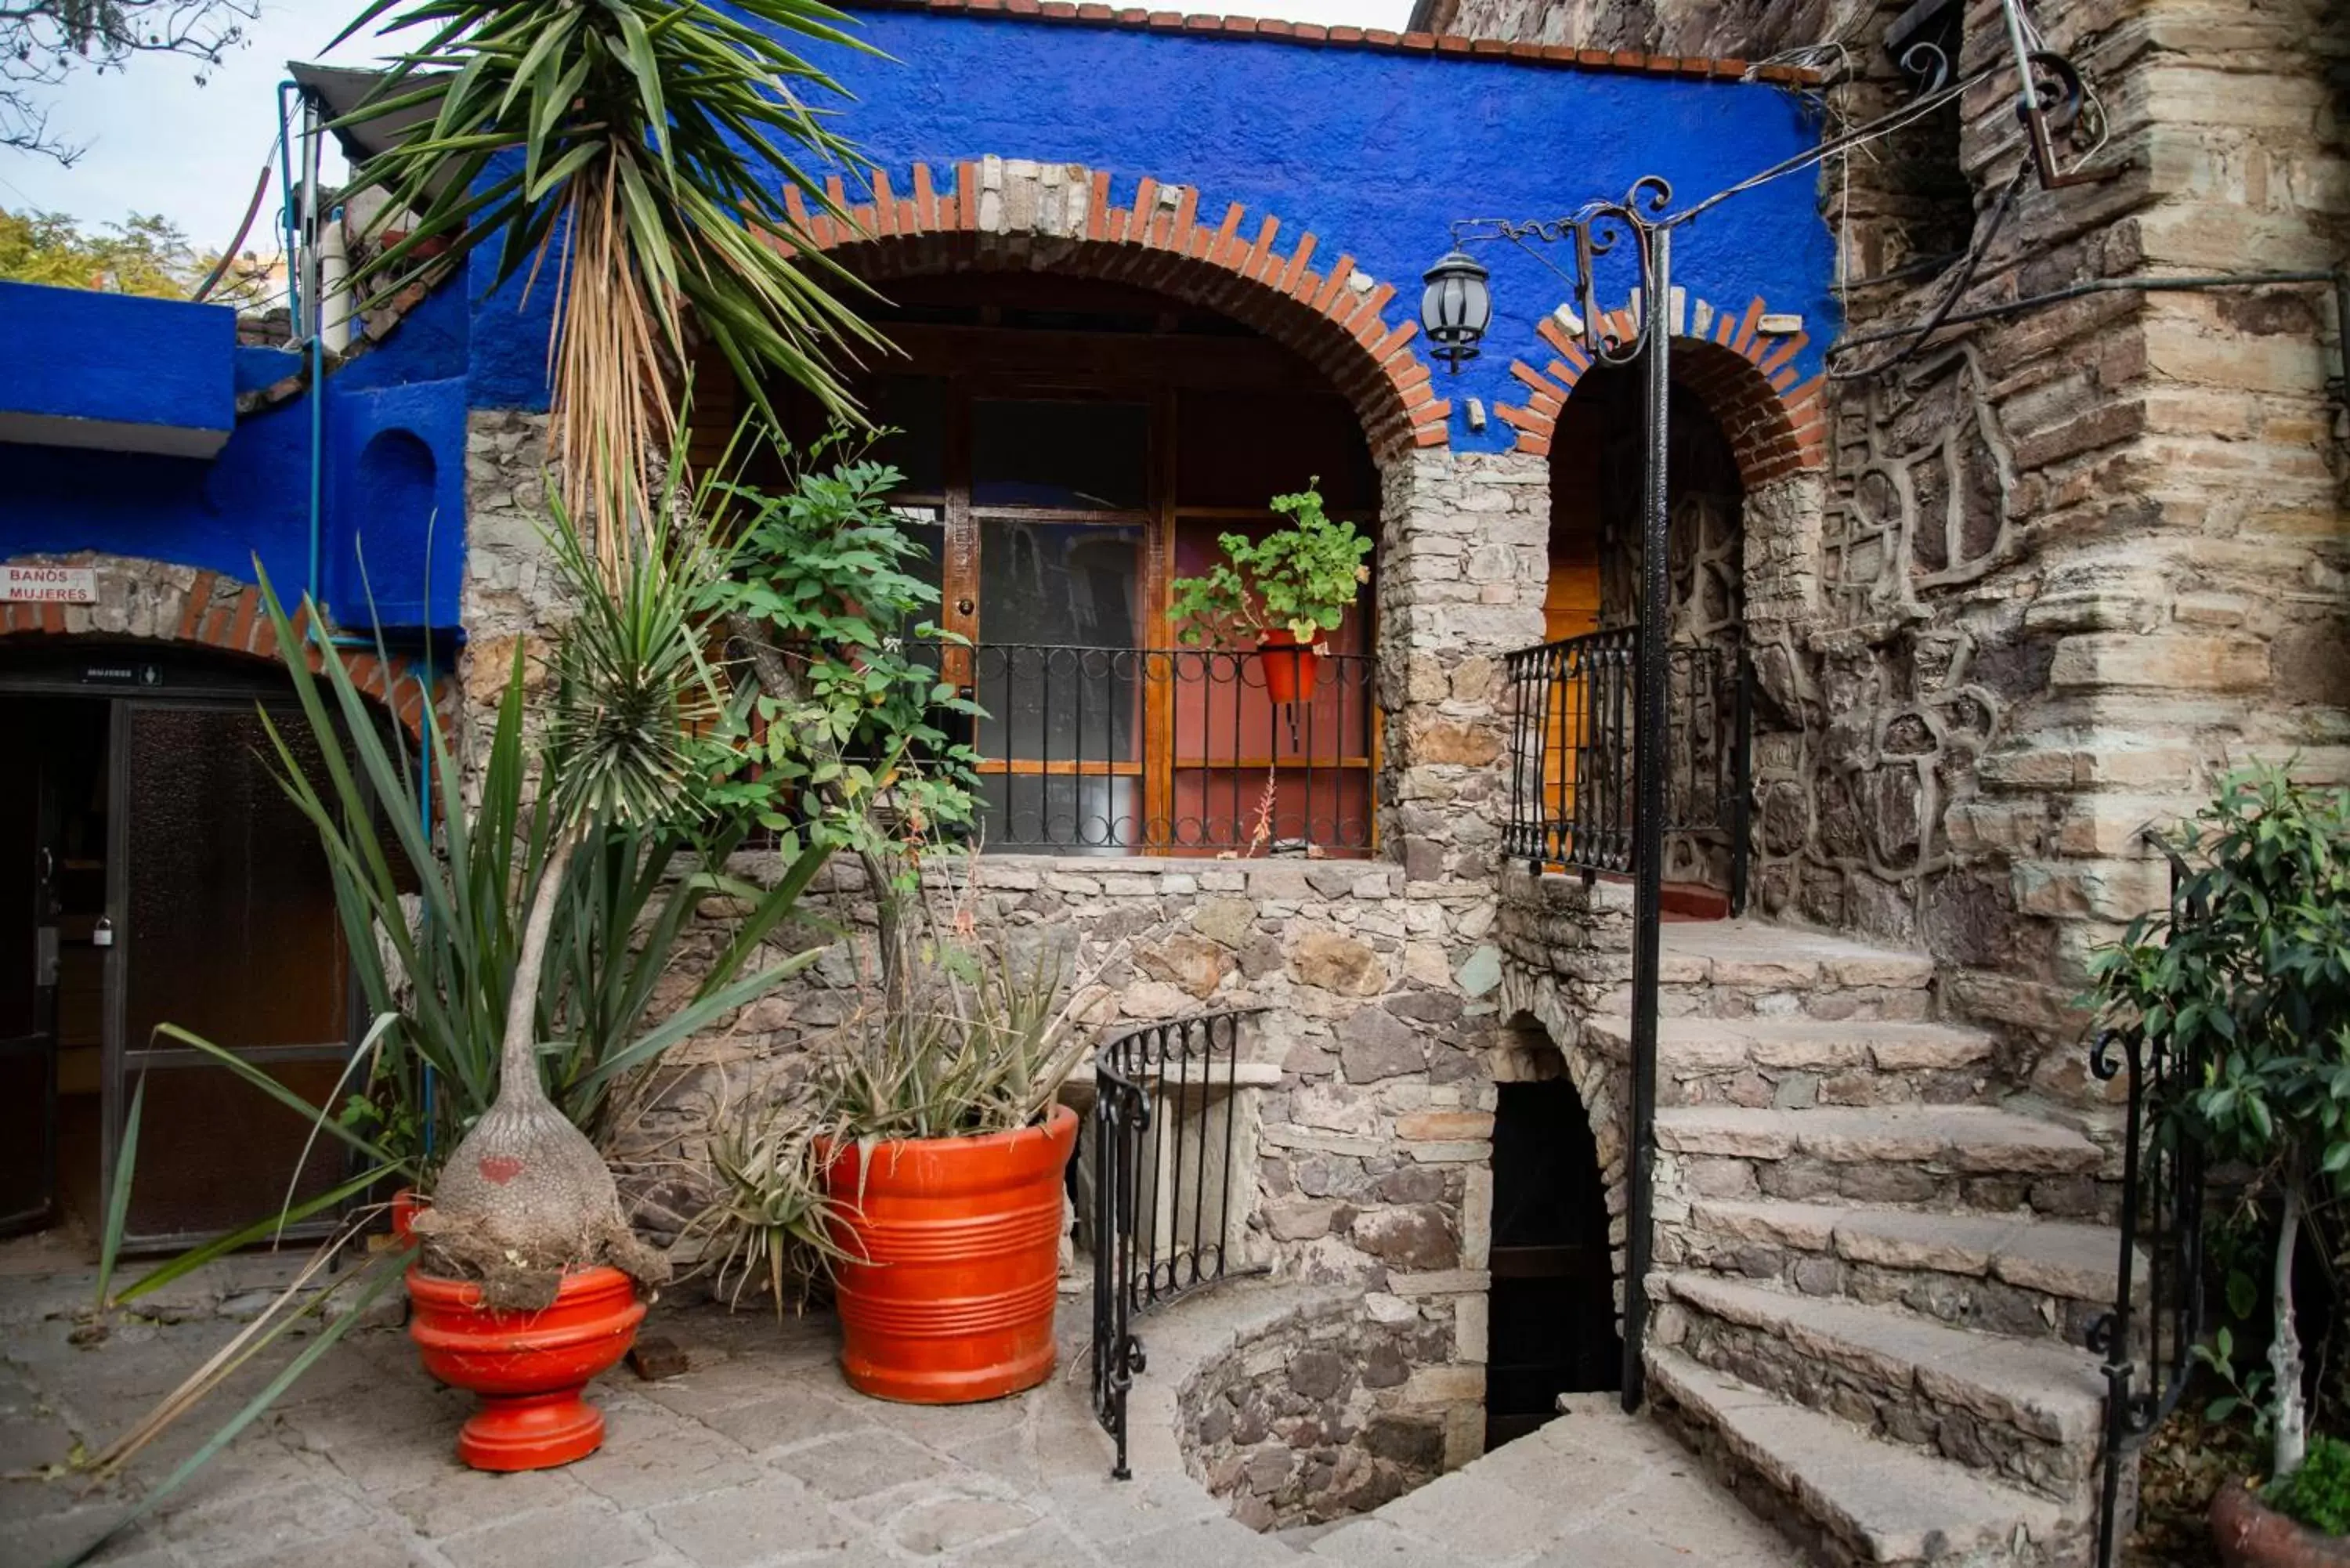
{"x": 153, "y": 871}
{"x": 1553, "y": 1306}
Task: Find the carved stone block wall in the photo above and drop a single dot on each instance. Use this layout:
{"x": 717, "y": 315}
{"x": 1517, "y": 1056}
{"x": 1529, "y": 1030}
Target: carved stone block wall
{"x": 2072, "y": 564}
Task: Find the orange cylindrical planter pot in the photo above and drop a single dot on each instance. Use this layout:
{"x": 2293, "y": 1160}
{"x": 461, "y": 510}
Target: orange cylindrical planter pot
{"x": 529, "y": 1367}
{"x": 959, "y": 1246}
{"x": 1288, "y": 665}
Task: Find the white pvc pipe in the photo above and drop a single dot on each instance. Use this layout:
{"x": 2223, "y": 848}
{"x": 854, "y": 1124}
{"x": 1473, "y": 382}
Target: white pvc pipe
{"x": 334, "y": 284}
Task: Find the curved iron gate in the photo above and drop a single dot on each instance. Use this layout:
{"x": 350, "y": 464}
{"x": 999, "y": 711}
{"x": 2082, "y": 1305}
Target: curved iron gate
{"x": 1163, "y": 1171}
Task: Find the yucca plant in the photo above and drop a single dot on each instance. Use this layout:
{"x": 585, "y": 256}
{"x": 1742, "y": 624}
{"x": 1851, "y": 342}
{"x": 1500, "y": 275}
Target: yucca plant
{"x": 646, "y": 147}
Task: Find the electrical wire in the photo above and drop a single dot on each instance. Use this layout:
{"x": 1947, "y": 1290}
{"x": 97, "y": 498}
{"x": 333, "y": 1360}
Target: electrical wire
{"x": 1874, "y": 131}
{"x": 1962, "y": 280}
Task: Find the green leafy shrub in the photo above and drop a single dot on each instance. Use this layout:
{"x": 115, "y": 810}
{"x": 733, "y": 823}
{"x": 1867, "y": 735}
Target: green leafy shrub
{"x": 844, "y": 701}
{"x": 2318, "y": 1493}
{"x": 1302, "y": 579}
{"x": 2245, "y": 982}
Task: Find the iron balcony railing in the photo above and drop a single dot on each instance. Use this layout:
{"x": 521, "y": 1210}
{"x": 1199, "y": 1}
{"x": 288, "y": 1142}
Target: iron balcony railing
{"x": 1571, "y": 757}
{"x": 1168, "y": 1205}
{"x": 1113, "y": 751}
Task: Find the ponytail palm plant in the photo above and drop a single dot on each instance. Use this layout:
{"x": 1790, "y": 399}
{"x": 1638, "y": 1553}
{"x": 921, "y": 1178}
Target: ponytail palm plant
{"x": 646, "y": 147}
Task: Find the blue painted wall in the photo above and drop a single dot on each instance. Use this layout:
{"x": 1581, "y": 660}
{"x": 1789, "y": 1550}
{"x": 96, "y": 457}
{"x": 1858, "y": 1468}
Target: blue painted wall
{"x": 1376, "y": 153}
{"x": 253, "y": 498}
{"x": 117, "y": 358}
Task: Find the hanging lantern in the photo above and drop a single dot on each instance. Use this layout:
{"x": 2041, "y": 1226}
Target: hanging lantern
{"x": 1455, "y": 308}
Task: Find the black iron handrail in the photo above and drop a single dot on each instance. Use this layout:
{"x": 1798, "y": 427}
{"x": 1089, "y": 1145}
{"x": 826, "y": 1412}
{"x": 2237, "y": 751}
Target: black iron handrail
{"x": 1572, "y": 752}
{"x": 1162, "y": 1165}
{"x": 2162, "y": 1211}
{"x": 1153, "y": 749}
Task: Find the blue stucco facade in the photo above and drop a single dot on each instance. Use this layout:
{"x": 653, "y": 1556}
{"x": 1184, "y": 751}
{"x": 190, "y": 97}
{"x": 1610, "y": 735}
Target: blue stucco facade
{"x": 115, "y": 371}
{"x": 1375, "y": 152}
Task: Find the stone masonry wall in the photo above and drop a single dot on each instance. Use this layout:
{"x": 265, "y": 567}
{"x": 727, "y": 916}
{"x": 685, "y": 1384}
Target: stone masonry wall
{"x": 1318, "y": 1416}
{"x": 2075, "y": 563}
{"x": 1374, "y": 1135}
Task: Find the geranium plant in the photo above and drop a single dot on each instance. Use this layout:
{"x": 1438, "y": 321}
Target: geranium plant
{"x": 2245, "y": 982}
{"x": 1300, "y": 579}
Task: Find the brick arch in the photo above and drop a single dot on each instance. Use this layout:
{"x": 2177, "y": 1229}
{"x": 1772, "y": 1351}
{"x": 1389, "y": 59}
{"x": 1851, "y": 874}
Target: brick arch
{"x": 1006, "y": 214}
{"x": 1775, "y": 423}
{"x": 176, "y": 606}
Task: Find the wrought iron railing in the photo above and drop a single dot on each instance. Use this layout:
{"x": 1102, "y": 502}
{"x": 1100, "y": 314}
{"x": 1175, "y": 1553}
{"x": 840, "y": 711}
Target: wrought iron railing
{"x": 1133, "y": 750}
{"x": 1168, "y": 1204}
{"x": 1571, "y": 769}
{"x": 2149, "y": 1363}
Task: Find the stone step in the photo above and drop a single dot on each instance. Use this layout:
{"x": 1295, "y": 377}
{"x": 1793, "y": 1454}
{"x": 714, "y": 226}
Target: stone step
{"x": 2027, "y": 1411}
{"x": 1847, "y": 1496}
{"x": 1947, "y": 1157}
{"x": 2002, "y": 1273}
{"x": 1733, "y": 968}
{"x": 1797, "y": 1062}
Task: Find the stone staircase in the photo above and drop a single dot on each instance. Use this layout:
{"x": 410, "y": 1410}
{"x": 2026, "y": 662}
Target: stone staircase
{"x": 1872, "y": 1275}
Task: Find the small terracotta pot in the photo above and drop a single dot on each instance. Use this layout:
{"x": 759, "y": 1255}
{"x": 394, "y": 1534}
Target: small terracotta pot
{"x": 962, "y": 1238}
{"x": 1289, "y": 666}
{"x": 406, "y": 1205}
{"x": 2250, "y": 1534}
{"x": 529, "y": 1367}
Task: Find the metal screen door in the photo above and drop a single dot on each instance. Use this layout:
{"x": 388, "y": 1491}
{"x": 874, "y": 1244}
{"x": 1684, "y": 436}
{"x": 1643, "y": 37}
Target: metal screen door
{"x": 226, "y": 926}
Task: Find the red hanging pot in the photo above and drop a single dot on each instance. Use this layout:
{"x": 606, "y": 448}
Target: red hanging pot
{"x": 1288, "y": 665}
{"x": 960, "y": 1243}
{"x": 529, "y": 1367}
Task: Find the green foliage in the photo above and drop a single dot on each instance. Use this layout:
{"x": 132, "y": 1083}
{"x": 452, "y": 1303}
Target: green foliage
{"x": 2317, "y": 1494}
{"x": 1302, "y": 579}
{"x": 769, "y": 1227}
{"x": 2245, "y": 983}
{"x": 845, "y": 698}
{"x": 145, "y": 253}
{"x": 978, "y": 1041}
{"x": 632, "y": 691}
{"x": 437, "y": 982}
{"x": 656, "y": 139}
{"x": 2253, "y": 982}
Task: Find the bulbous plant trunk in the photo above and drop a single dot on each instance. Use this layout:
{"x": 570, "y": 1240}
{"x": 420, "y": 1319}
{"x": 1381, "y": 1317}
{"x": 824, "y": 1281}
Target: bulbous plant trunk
{"x": 525, "y": 1198}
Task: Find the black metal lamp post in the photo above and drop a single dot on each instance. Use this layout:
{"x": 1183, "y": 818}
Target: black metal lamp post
{"x": 1455, "y": 309}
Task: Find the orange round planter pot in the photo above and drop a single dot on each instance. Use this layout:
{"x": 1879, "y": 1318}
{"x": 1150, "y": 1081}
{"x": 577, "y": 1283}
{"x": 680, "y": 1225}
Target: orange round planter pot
{"x": 529, "y": 1367}
{"x": 961, "y": 1238}
{"x": 1289, "y": 666}
{"x": 2250, "y": 1534}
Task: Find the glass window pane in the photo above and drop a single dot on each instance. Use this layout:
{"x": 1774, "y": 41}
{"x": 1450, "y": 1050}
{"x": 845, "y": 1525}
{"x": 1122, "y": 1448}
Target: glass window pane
{"x": 921, "y": 526}
{"x": 1064, "y": 584}
{"x": 1085, "y": 457}
{"x": 1074, "y": 708}
{"x": 914, "y": 410}
{"x": 1028, "y": 813}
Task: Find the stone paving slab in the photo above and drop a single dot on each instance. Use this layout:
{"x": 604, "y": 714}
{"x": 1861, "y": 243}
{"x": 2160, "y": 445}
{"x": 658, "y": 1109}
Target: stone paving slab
{"x": 757, "y": 1456}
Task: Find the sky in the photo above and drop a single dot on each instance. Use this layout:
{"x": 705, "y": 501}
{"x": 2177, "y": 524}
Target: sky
{"x": 158, "y": 143}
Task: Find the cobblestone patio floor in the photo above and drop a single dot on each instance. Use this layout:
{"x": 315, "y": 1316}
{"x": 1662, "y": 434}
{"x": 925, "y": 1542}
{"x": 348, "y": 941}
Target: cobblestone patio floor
{"x": 757, "y": 1454}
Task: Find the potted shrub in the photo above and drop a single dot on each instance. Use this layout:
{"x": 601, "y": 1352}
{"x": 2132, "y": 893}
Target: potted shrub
{"x": 941, "y": 1149}
{"x": 2245, "y": 981}
{"x": 1290, "y": 589}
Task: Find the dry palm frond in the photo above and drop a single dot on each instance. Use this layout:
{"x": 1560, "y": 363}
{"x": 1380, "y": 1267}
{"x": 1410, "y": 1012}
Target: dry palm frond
{"x": 651, "y": 148}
